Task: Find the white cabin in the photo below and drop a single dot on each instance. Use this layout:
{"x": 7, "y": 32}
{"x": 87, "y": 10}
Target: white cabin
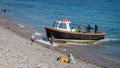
{"x": 63, "y": 24}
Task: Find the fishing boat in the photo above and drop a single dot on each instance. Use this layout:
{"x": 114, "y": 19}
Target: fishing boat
{"x": 61, "y": 31}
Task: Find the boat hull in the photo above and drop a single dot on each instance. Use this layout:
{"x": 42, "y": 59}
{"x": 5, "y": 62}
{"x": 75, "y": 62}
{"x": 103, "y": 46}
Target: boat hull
{"x": 61, "y": 35}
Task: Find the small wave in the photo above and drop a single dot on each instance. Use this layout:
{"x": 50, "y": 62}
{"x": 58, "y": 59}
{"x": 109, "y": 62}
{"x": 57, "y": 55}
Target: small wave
{"x": 40, "y": 39}
{"x": 107, "y": 40}
{"x": 47, "y": 42}
{"x": 43, "y": 41}
{"x": 20, "y": 25}
{"x": 74, "y": 43}
{"x": 37, "y": 34}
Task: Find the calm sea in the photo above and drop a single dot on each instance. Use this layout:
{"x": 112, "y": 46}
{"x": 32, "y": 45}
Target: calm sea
{"x": 105, "y": 13}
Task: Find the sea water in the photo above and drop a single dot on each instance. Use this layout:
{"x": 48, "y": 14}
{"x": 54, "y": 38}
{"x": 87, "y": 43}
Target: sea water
{"x": 105, "y": 13}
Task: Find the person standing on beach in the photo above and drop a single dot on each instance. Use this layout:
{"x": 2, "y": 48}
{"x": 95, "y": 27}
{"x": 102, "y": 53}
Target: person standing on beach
{"x": 52, "y": 41}
{"x": 33, "y": 39}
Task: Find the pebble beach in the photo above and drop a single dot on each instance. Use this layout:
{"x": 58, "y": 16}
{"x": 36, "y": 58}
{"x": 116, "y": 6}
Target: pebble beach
{"x": 16, "y": 50}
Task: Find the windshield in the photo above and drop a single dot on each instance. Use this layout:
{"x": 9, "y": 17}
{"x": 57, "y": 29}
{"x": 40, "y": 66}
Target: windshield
{"x": 62, "y": 25}
{"x": 55, "y": 24}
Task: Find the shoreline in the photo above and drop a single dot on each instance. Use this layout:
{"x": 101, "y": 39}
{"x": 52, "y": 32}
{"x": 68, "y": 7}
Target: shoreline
{"x": 25, "y": 33}
{"x": 15, "y": 27}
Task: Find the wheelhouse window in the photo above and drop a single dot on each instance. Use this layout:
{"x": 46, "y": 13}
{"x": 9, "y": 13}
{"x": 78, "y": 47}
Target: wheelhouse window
{"x": 55, "y": 24}
{"x": 62, "y": 25}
